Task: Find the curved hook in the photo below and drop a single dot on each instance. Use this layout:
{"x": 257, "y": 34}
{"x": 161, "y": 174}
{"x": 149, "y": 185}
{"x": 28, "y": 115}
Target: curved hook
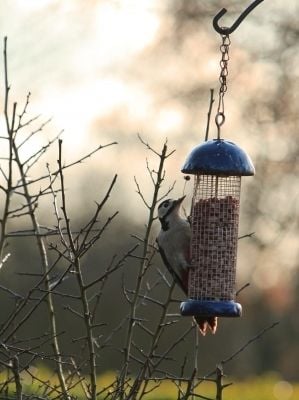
{"x": 228, "y": 31}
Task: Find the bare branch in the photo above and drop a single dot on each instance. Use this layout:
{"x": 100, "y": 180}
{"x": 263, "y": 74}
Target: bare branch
{"x": 250, "y": 341}
{"x": 16, "y": 372}
{"x": 27, "y": 123}
{"x": 247, "y": 235}
{"x": 209, "y": 113}
{"x": 33, "y": 158}
{"x": 241, "y": 349}
{"x": 242, "y": 288}
{"x": 140, "y": 193}
{"x": 66, "y": 166}
{"x": 87, "y": 317}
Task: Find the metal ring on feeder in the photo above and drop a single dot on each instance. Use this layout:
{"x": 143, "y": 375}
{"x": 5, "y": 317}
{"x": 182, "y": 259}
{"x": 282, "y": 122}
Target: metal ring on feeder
{"x": 220, "y": 119}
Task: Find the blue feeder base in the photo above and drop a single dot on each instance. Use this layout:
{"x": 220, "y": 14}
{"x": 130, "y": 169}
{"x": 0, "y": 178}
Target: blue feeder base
{"x": 211, "y": 308}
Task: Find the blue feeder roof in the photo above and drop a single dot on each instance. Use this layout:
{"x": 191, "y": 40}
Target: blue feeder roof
{"x": 218, "y": 157}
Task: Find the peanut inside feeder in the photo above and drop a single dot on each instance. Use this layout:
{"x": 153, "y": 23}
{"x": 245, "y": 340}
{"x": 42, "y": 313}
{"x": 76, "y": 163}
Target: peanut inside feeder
{"x": 218, "y": 166}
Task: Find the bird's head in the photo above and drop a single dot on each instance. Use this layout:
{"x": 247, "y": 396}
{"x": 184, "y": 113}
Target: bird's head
{"x": 168, "y": 209}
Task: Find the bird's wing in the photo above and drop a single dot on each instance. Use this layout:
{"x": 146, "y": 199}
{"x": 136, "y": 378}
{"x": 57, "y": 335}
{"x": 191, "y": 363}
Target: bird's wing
{"x": 173, "y": 273}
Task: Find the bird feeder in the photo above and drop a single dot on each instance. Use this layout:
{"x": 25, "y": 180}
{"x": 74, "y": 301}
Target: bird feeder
{"x": 217, "y": 166}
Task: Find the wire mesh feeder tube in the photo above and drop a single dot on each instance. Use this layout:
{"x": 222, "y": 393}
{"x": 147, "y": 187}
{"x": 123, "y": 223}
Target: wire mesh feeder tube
{"x": 218, "y": 166}
{"x": 214, "y": 224}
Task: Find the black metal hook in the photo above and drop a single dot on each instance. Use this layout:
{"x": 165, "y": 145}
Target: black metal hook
{"x": 228, "y": 31}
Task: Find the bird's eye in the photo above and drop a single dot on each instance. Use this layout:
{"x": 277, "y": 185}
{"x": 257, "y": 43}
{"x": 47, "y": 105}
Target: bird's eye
{"x": 166, "y": 205}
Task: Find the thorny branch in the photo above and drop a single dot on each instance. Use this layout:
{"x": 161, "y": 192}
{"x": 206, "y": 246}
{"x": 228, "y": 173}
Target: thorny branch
{"x": 27, "y": 304}
{"x": 144, "y": 265}
{"x": 75, "y": 259}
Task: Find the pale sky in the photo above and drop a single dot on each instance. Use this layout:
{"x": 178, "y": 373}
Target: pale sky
{"x": 69, "y": 54}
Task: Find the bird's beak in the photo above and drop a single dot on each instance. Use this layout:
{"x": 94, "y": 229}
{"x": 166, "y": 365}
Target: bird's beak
{"x": 180, "y": 200}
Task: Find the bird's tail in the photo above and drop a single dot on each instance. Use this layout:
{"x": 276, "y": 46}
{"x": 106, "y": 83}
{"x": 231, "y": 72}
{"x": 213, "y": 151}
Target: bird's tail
{"x": 204, "y": 323}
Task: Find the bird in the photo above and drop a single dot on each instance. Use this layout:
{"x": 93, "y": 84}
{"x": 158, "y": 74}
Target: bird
{"x": 173, "y": 242}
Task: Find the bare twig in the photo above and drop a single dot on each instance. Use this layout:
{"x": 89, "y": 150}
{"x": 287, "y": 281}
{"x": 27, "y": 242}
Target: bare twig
{"x": 159, "y": 178}
{"x": 246, "y": 236}
{"x": 14, "y": 155}
{"x": 242, "y": 288}
{"x": 73, "y": 253}
{"x": 250, "y": 341}
{"x": 242, "y": 348}
{"x": 209, "y": 113}
{"x": 16, "y": 372}
{"x": 66, "y": 166}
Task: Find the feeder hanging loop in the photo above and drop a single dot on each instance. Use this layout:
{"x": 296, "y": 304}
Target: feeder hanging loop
{"x": 226, "y": 30}
{"x": 219, "y": 119}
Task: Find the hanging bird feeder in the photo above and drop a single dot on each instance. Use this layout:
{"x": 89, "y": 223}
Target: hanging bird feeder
{"x": 217, "y": 166}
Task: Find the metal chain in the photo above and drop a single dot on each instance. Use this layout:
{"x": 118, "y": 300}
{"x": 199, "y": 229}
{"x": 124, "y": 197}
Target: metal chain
{"x": 224, "y": 48}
